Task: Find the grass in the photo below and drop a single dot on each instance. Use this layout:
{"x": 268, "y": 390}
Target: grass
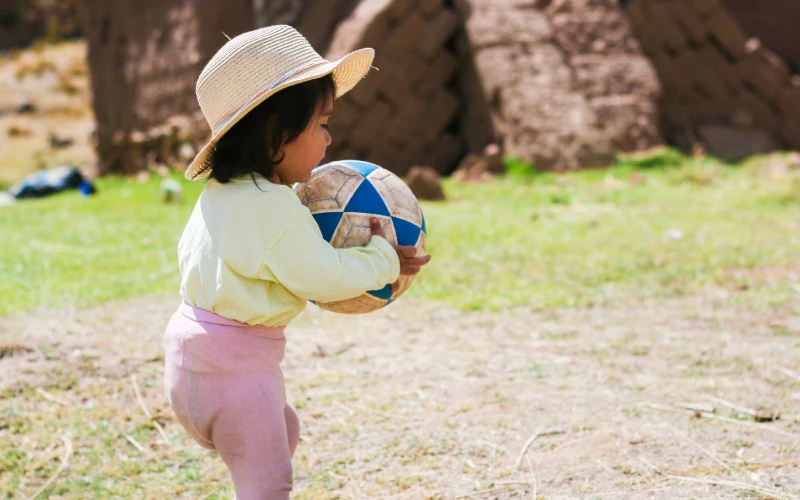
{"x": 652, "y": 226}
{"x": 71, "y": 251}
{"x": 375, "y": 426}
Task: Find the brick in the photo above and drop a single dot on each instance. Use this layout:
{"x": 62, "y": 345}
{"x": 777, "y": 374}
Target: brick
{"x": 447, "y": 150}
{"x": 723, "y": 29}
{"x": 439, "y": 72}
{"x": 384, "y": 155}
{"x": 669, "y": 72}
{"x": 345, "y": 112}
{"x": 763, "y": 69}
{"x": 789, "y": 99}
{"x": 687, "y": 19}
{"x": 399, "y": 8}
{"x": 721, "y": 67}
{"x": 437, "y": 32}
{"x": 441, "y": 111}
{"x": 403, "y": 37}
{"x": 696, "y": 70}
{"x": 762, "y": 114}
{"x": 367, "y": 26}
{"x": 790, "y": 132}
{"x": 705, "y": 8}
{"x": 405, "y": 71}
{"x": 662, "y": 26}
{"x": 406, "y": 120}
{"x": 364, "y": 93}
{"x": 346, "y": 116}
{"x": 428, "y": 8}
{"x": 371, "y": 125}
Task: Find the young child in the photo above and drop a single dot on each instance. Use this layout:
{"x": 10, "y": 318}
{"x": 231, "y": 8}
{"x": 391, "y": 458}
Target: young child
{"x": 251, "y": 255}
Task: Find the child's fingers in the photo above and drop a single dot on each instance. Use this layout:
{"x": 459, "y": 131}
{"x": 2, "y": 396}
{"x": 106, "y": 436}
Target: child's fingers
{"x": 417, "y": 261}
{"x": 375, "y": 228}
{"x": 409, "y": 270}
{"x": 407, "y": 251}
{"x": 395, "y": 286}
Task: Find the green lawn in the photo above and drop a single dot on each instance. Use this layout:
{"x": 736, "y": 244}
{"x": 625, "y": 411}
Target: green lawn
{"x": 528, "y": 239}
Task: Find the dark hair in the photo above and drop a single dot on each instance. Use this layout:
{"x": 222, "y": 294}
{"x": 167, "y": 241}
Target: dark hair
{"x": 252, "y": 145}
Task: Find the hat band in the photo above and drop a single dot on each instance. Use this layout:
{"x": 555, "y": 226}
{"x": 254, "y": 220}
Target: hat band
{"x": 225, "y": 119}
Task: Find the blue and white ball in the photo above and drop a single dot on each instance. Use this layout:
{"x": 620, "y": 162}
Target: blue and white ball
{"x": 343, "y": 196}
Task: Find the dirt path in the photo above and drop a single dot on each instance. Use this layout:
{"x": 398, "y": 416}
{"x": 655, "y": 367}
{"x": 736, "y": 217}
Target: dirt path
{"x": 421, "y": 401}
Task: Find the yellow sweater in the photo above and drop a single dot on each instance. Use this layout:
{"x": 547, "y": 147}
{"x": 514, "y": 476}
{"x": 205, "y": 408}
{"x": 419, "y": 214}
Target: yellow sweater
{"x": 255, "y": 254}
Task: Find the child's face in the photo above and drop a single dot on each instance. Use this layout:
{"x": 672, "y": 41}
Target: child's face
{"x": 306, "y": 152}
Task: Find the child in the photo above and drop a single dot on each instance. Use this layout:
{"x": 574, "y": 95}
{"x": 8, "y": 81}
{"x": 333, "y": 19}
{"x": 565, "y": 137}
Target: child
{"x": 251, "y": 255}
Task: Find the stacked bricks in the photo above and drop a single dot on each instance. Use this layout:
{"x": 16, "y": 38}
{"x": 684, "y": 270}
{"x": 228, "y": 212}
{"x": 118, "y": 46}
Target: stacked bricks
{"x": 405, "y": 112}
{"x": 145, "y": 57}
{"x": 774, "y": 22}
{"x": 712, "y": 74}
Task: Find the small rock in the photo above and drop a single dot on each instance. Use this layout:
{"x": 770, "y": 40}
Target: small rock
{"x": 473, "y": 168}
{"x": 766, "y": 416}
{"x": 734, "y": 144}
{"x": 493, "y": 156}
{"x": 425, "y": 183}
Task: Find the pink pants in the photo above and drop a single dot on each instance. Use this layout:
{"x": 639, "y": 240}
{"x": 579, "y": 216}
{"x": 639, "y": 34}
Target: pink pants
{"x": 225, "y": 385}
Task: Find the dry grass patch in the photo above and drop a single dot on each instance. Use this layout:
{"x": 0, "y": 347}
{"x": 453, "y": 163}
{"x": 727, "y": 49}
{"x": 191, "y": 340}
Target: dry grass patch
{"x": 423, "y": 401}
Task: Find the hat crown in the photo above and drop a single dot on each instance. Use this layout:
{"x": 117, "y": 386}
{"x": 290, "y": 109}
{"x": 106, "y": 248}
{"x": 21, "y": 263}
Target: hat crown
{"x": 248, "y": 65}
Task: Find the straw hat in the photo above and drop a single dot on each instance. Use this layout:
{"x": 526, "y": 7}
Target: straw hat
{"x": 255, "y": 65}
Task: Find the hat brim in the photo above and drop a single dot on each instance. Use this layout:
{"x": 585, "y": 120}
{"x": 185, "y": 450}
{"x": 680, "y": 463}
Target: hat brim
{"x": 347, "y": 72}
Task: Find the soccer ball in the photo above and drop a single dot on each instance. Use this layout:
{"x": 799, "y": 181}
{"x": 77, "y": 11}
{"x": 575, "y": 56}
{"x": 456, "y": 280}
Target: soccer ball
{"x": 343, "y": 196}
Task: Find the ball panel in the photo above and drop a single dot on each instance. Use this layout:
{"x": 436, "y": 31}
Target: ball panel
{"x": 407, "y": 233}
{"x": 384, "y": 293}
{"x": 300, "y": 190}
{"x": 327, "y": 222}
{"x": 360, "y": 305}
{"x": 422, "y": 243}
{"x": 331, "y": 187}
{"x": 367, "y": 200}
{"x": 362, "y": 167}
{"x": 398, "y": 196}
{"x": 353, "y": 230}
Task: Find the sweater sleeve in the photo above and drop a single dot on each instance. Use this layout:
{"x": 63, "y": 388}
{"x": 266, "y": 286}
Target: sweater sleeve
{"x": 309, "y": 267}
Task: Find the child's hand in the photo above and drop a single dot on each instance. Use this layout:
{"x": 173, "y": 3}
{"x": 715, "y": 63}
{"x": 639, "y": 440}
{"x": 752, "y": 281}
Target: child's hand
{"x": 410, "y": 264}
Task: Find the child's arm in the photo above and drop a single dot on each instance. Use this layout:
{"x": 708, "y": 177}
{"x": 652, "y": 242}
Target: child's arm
{"x": 311, "y": 268}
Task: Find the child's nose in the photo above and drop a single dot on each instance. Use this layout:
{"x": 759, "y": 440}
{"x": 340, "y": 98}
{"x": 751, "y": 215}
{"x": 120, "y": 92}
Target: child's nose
{"x": 328, "y": 138}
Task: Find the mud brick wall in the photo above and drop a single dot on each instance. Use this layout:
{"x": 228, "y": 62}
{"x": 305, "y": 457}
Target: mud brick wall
{"x": 720, "y": 87}
{"x": 774, "y": 22}
{"x": 314, "y": 19}
{"x": 566, "y": 83}
{"x": 145, "y": 57}
{"x": 406, "y": 110}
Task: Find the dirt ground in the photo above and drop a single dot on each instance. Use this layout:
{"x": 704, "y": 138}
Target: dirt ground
{"x": 54, "y": 82}
{"x": 423, "y": 401}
